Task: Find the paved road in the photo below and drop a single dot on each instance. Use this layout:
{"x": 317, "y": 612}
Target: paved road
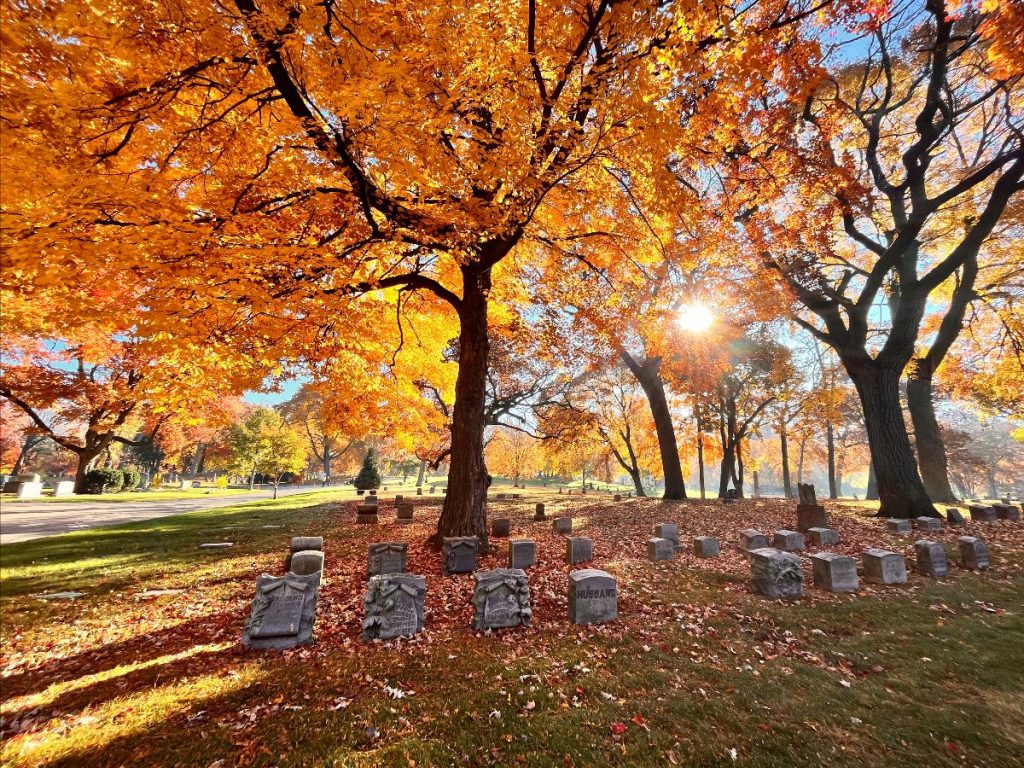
{"x": 23, "y": 521}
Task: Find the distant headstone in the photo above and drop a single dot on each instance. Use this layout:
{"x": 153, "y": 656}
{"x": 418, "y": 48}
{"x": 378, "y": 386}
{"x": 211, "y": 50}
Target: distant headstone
{"x": 789, "y": 541}
{"x": 387, "y": 557}
{"x": 217, "y": 545}
{"x": 884, "y": 567}
{"x": 706, "y": 546}
{"x": 617, "y": 497}
{"x": 751, "y": 538}
{"x": 501, "y": 599}
{"x": 668, "y": 531}
{"x": 30, "y": 490}
{"x": 805, "y": 494}
{"x": 501, "y": 527}
{"x": 953, "y": 516}
{"x": 522, "y": 553}
{"x": 394, "y": 606}
{"x": 809, "y": 514}
{"x": 660, "y": 549}
{"x": 578, "y": 549}
{"x": 404, "y": 512}
{"x": 539, "y": 513}
{"x": 973, "y": 553}
{"x": 929, "y": 524}
{"x": 562, "y": 525}
{"x": 899, "y": 526}
{"x": 835, "y": 573}
{"x": 307, "y": 562}
{"x": 459, "y": 553}
{"x": 732, "y": 494}
{"x": 431, "y": 489}
{"x": 824, "y": 537}
{"x": 64, "y": 488}
{"x": 366, "y": 510}
{"x": 982, "y": 514}
{"x": 593, "y": 597}
{"x": 58, "y": 595}
{"x": 419, "y": 491}
{"x": 776, "y": 574}
{"x": 931, "y": 558}
{"x": 1007, "y": 512}
{"x": 185, "y": 485}
{"x": 399, "y": 498}
{"x": 283, "y": 612}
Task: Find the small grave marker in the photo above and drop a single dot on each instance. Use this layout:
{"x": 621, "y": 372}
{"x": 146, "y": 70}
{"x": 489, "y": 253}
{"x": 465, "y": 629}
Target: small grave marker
{"x": 953, "y": 516}
{"x": 460, "y": 553}
{"x": 928, "y": 524}
{"x": 578, "y": 549}
{"x": 668, "y": 531}
{"x": 283, "y": 612}
{"x": 660, "y": 549}
{"x": 501, "y": 599}
{"x": 593, "y": 597}
{"x": 884, "y": 567}
{"x": 562, "y": 525}
{"x": 931, "y": 558}
{"x": 789, "y": 541}
{"x": 307, "y": 562}
{"x": 899, "y": 526}
{"x": 706, "y": 546}
{"x": 809, "y": 514}
{"x": 394, "y": 606}
{"x": 982, "y": 514}
{"x": 387, "y": 557}
{"x": 776, "y": 574}
{"x": 835, "y": 573}
{"x": 973, "y": 553}
{"x": 501, "y": 527}
{"x": 539, "y": 511}
{"x": 522, "y": 553}
{"x": 751, "y": 538}
{"x": 824, "y": 537}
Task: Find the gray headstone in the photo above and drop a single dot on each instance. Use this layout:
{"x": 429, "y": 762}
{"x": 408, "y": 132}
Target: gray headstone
{"x": 387, "y": 557}
{"x": 300, "y": 543}
{"x": 404, "y": 512}
{"x": 982, "y": 514}
{"x": 931, "y": 558}
{"x": 394, "y": 606}
{"x": 306, "y": 562}
{"x": 953, "y": 516}
{"x": 805, "y": 494}
{"x": 668, "y": 531}
{"x": 539, "y": 513}
{"x": 789, "y": 541}
{"x": 578, "y": 549}
{"x": 884, "y": 567}
{"x": 776, "y": 574}
{"x": 30, "y": 490}
{"x": 522, "y": 553}
{"x": 64, "y": 488}
{"x": 706, "y": 546}
{"x": 283, "y": 612}
{"x": 501, "y": 527}
{"x": 562, "y": 525}
{"x": 217, "y": 545}
{"x": 459, "y": 553}
{"x": 1007, "y": 512}
{"x": 593, "y": 597}
{"x": 899, "y": 526}
{"x": 835, "y": 573}
{"x": 419, "y": 491}
{"x": 751, "y": 538}
{"x": 501, "y": 599}
{"x": 660, "y": 549}
{"x": 824, "y": 537}
{"x": 58, "y": 595}
{"x": 973, "y": 553}
{"x": 929, "y": 524}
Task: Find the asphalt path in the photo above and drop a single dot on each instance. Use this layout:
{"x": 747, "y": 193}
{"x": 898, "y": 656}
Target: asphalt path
{"x": 24, "y": 520}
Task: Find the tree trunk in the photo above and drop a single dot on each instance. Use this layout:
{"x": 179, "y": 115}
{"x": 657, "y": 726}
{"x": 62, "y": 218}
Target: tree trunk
{"x": 830, "y": 436}
{"x": 784, "y": 446}
{"x": 252, "y": 480}
{"x": 30, "y": 442}
{"x": 993, "y": 487}
{"x": 727, "y": 470}
{"x": 900, "y": 490}
{"x": 700, "y": 463}
{"x": 637, "y": 483}
{"x": 800, "y": 461}
{"x": 872, "y": 491}
{"x": 197, "y": 459}
{"x": 931, "y": 451}
{"x": 423, "y": 468}
{"x": 650, "y": 380}
{"x": 465, "y": 506}
{"x": 757, "y": 485}
{"x": 327, "y": 461}
{"x": 86, "y": 457}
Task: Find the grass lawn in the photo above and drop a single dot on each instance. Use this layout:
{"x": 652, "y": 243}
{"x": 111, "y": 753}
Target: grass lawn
{"x": 699, "y": 671}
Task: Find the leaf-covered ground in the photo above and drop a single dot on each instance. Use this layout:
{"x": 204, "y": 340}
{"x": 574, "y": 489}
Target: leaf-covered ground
{"x": 698, "y": 671}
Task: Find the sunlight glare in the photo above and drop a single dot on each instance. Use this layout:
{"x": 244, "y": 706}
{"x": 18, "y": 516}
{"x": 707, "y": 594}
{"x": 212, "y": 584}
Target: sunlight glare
{"x": 695, "y": 318}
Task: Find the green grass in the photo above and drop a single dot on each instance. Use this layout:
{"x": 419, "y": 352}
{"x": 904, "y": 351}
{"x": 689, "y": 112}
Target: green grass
{"x": 697, "y": 667}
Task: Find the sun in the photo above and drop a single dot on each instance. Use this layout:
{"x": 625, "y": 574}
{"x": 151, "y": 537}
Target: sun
{"x": 695, "y": 318}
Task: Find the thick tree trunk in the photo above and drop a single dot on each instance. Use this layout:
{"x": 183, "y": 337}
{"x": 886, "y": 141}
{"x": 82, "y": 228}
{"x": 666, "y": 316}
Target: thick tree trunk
{"x": 727, "y": 470}
{"x": 993, "y": 487}
{"x": 700, "y": 464}
{"x": 465, "y": 506}
{"x": 638, "y": 486}
{"x": 800, "y": 461}
{"x": 931, "y": 451}
{"x": 787, "y": 486}
{"x": 30, "y": 442}
{"x": 757, "y": 485}
{"x": 197, "y": 459}
{"x": 423, "y": 469}
{"x": 900, "y": 490}
{"x": 86, "y": 458}
{"x": 872, "y": 491}
{"x": 830, "y": 436}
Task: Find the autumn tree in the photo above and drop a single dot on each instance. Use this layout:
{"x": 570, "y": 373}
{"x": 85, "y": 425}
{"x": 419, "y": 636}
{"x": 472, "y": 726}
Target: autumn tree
{"x": 306, "y": 411}
{"x": 266, "y": 444}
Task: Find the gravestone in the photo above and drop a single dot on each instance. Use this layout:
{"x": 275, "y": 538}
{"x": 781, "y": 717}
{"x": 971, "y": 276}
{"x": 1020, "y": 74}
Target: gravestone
{"x": 64, "y": 488}
{"x": 306, "y": 562}
{"x": 399, "y": 498}
{"x": 366, "y": 510}
{"x": 459, "y": 553}
{"x": 593, "y": 597}
{"x": 419, "y": 491}
{"x": 776, "y": 574}
{"x": 393, "y": 606}
{"x": 982, "y": 514}
{"x": 283, "y": 612}
{"x": 578, "y": 549}
{"x": 809, "y": 514}
{"x": 931, "y": 558}
{"x": 706, "y": 546}
{"x": 30, "y": 490}
{"x": 751, "y": 538}
{"x": 562, "y": 525}
{"x": 1007, "y": 512}
{"x": 953, "y": 516}
{"x": 299, "y": 543}
{"x": 660, "y": 549}
{"x": 501, "y": 599}
{"x": 789, "y": 541}
{"x": 928, "y": 524}
{"x": 884, "y": 567}
{"x": 973, "y": 553}
{"x": 185, "y": 485}
{"x": 404, "y": 513}
{"x": 431, "y": 489}
{"x": 559, "y": 491}
{"x": 387, "y": 557}
{"x": 217, "y": 545}
{"x": 824, "y": 537}
{"x": 899, "y": 526}
{"x": 835, "y": 573}
{"x": 501, "y": 527}
{"x": 668, "y": 531}
{"x": 617, "y": 497}
{"x": 522, "y": 553}
{"x": 539, "y": 513}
